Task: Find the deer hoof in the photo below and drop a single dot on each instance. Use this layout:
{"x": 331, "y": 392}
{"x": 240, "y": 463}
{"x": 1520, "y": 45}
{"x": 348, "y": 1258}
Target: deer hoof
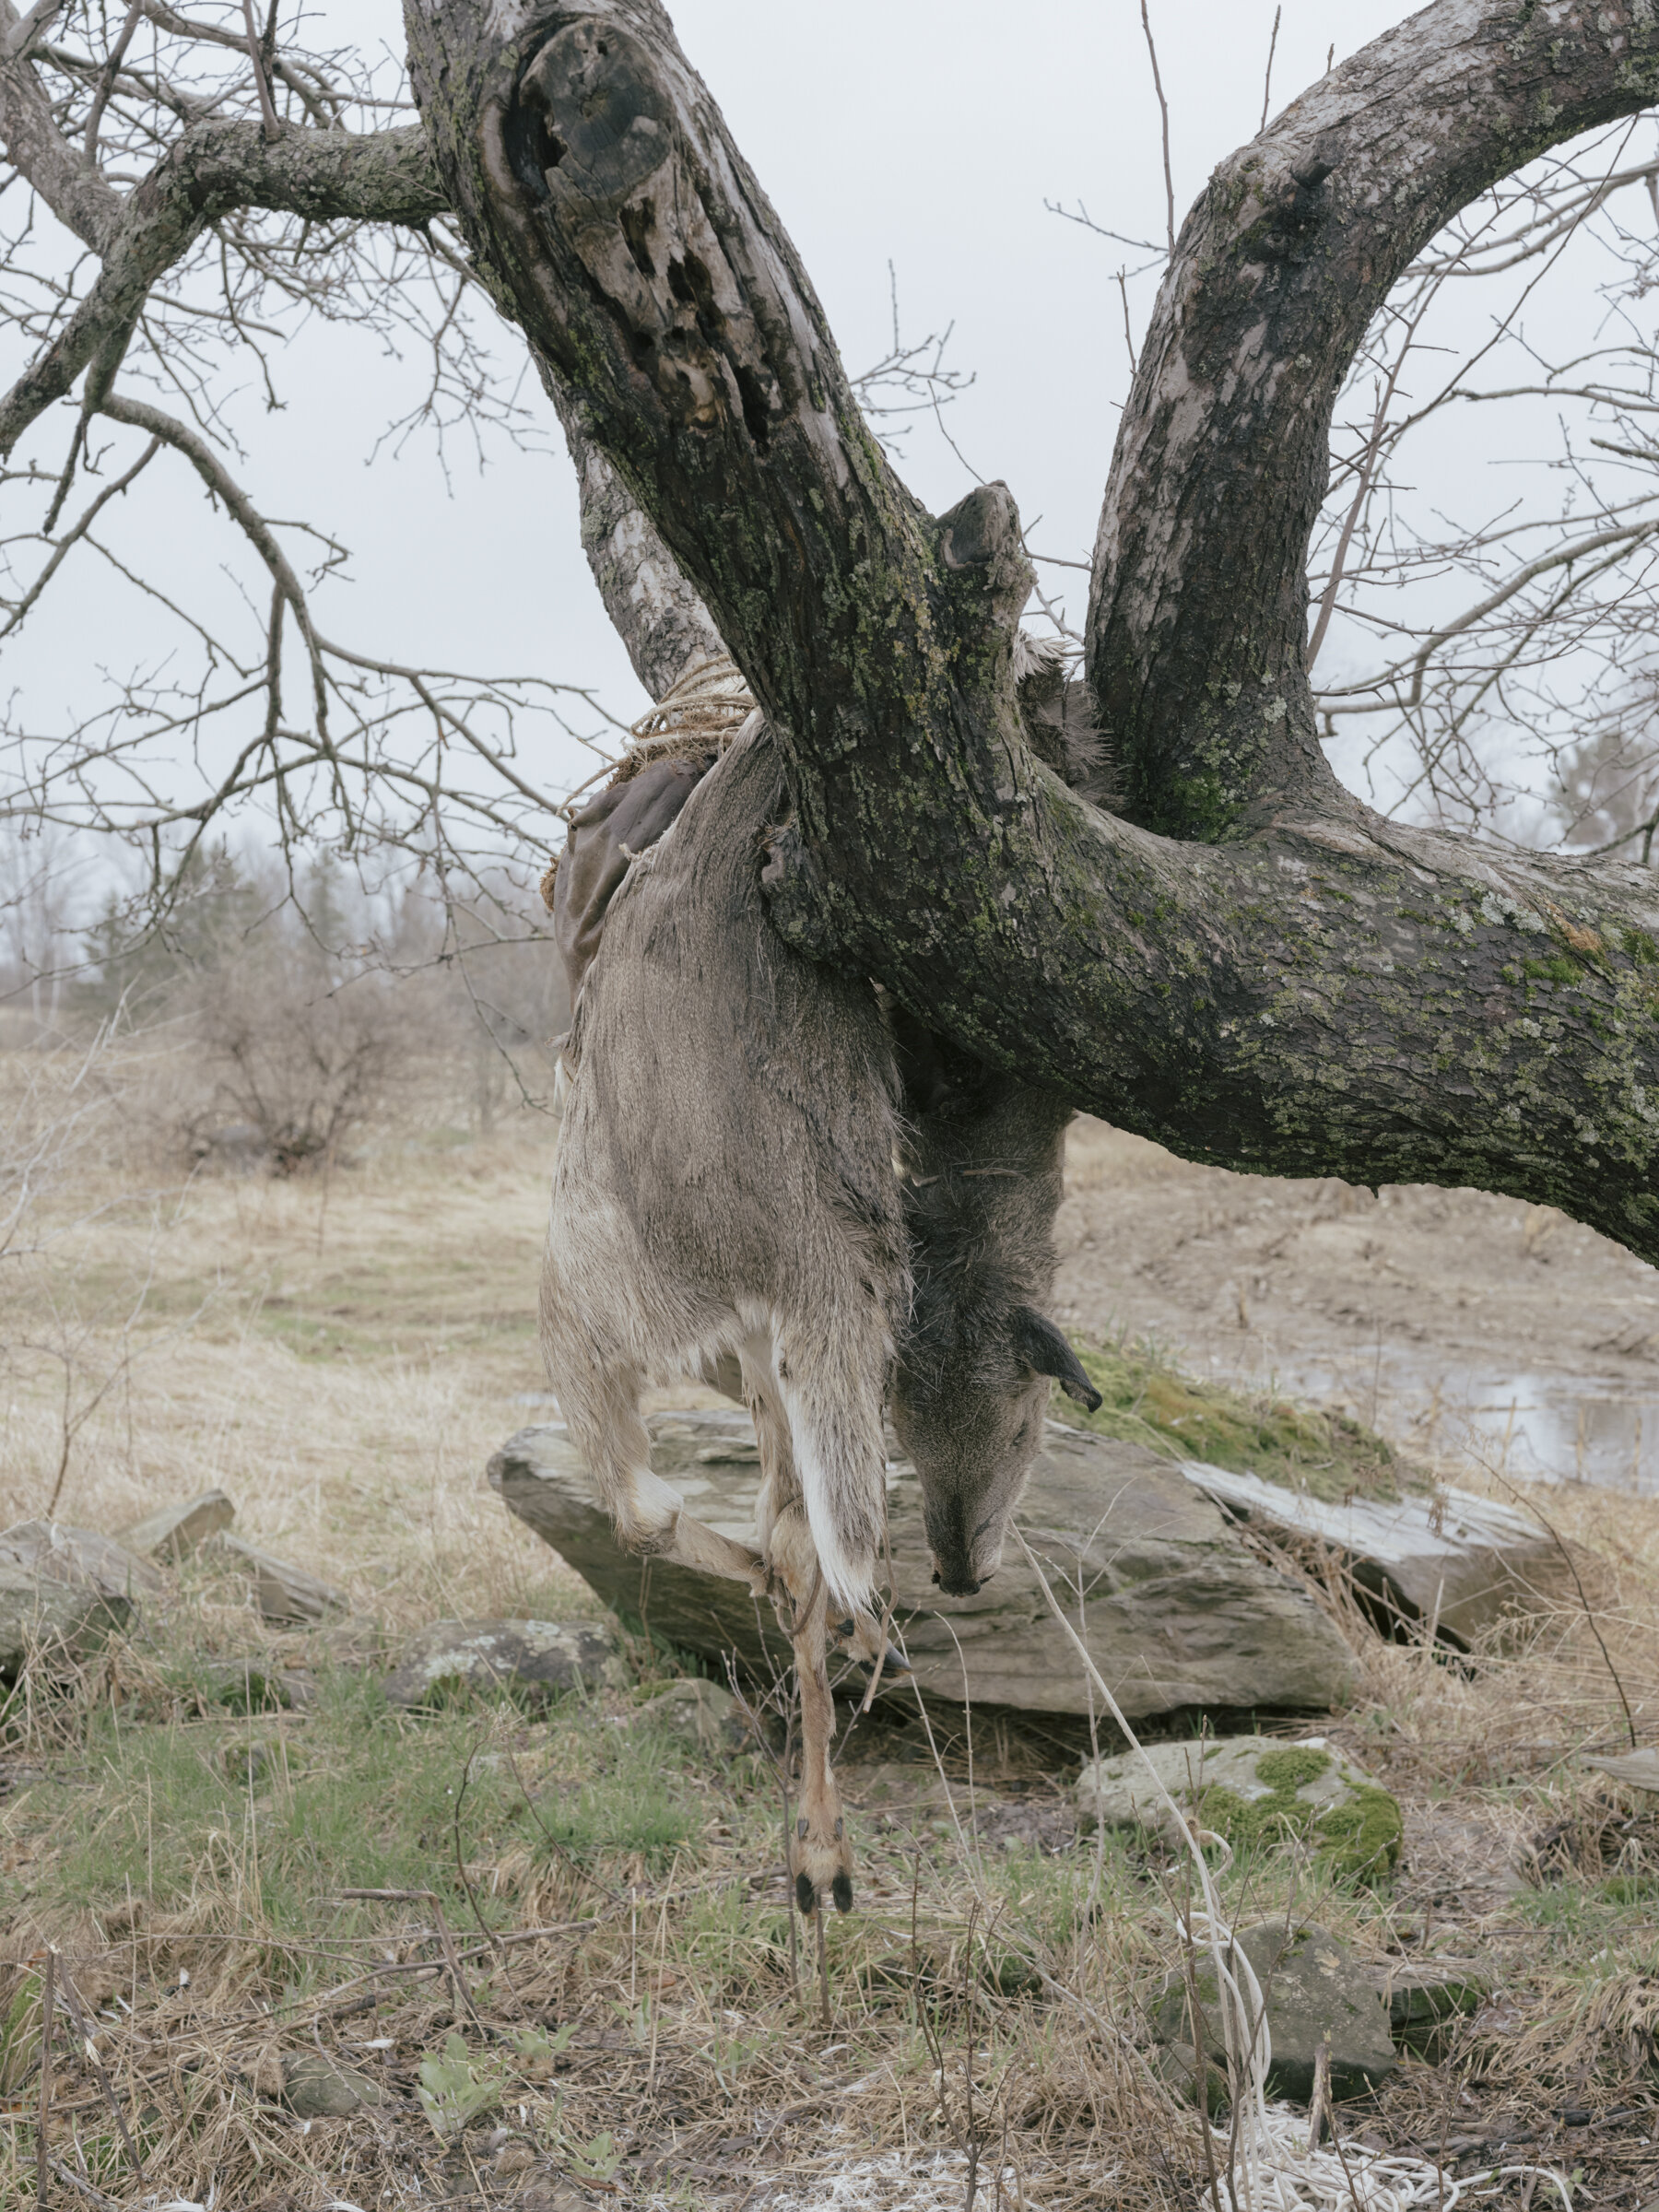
{"x": 821, "y": 1862}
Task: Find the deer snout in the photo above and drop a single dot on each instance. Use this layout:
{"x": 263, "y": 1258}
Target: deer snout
{"x": 958, "y": 1582}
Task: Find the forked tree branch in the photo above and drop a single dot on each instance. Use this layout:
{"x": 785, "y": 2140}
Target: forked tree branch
{"x": 74, "y": 191}
{"x": 1198, "y": 618}
{"x": 1332, "y": 996}
{"x": 1322, "y": 992}
{"x": 216, "y": 167}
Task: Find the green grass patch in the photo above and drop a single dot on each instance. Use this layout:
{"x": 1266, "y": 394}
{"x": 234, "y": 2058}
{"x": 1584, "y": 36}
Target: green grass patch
{"x": 634, "y": 1808}
{"x": 1147, "y": 1400}
{"x": 279, "y": 1814}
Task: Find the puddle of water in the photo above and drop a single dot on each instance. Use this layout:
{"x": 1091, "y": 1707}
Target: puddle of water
{"x": 1539, "y": 1428}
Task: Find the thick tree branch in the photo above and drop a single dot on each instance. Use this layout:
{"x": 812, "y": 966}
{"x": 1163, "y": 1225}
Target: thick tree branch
{"x": 1198, "y": 618}
{"x": 1333, "y": 995}
{"x": 327, "y": 176}
{"x": 70, "y": 186}
{"x": 615, "y": 221}
{"x": 653, "y": 608}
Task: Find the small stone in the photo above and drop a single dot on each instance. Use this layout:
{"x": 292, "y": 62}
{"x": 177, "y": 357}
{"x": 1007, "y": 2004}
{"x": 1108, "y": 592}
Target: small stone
{"x": 174, "y": 1530}
{"x": 1254, "y": 1791}
{"x": 246, "y": 1764}
{"x": 709, "y": 1716}
{"x": 317, "y": 2089}
{"x": 1316, "y": 1994}
{"x": 242, "y": 1686}
{"x": 262, "y": 2073}
{"x": 532, "y": 1659}
{"x": 285, "y": 1593}
{"x": 1177, "y": 2065}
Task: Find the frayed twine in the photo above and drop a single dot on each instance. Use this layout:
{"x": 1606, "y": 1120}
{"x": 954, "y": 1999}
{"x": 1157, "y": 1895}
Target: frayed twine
{"x": 703, "y": 713}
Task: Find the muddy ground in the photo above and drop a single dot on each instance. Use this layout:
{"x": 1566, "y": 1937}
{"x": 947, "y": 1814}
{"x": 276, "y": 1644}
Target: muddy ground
{"x": 1463, "y": 1325}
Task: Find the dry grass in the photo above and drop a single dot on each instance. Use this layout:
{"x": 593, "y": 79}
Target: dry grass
{"x": 342, "y": 1356}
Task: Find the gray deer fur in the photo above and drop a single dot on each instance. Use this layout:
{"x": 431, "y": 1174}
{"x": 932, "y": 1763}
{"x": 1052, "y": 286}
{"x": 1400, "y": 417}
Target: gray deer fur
{"x": 725, "y": 1186}
{"x": 982, "y": 1166}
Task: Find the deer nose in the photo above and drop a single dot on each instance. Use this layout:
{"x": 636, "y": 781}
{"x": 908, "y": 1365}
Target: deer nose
{"x": 958, "y": 1586}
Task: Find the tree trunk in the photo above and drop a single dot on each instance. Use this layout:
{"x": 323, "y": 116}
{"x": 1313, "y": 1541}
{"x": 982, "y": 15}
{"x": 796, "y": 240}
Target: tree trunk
{"x": 1252, "y": 970}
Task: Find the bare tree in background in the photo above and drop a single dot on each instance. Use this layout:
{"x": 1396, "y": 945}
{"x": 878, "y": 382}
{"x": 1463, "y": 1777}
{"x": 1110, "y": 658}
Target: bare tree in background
{"x": 1243, "y": 962}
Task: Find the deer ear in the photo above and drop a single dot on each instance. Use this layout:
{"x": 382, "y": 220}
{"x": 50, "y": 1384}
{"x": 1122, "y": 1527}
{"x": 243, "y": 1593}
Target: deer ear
{"x": 1043, "y": 1346}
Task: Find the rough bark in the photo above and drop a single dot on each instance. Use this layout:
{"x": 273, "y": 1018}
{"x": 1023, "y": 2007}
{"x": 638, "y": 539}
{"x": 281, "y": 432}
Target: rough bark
{"x": 1199, "y": 610}
{"x": 1329, "y": 995}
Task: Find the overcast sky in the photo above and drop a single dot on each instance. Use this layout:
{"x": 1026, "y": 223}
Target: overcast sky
{"x": 923, "y": 134}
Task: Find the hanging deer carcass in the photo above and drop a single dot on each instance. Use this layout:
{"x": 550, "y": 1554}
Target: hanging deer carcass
{"x": 737, "y": 1177}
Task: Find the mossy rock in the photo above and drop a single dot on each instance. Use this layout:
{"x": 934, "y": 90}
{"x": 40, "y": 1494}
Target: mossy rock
{"x": 456, "y": 1662}
{"x": 1255, "y": 1793}
{"x": 1424, "y": 2003}
{"x": 1314, "y": 1995}
{"x": 1144, "y": 1401}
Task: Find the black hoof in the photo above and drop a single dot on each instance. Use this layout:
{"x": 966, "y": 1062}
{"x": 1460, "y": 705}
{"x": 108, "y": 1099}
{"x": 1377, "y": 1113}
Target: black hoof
{"x": 840, "y": 1890}
{"x": 806, "y": 1896}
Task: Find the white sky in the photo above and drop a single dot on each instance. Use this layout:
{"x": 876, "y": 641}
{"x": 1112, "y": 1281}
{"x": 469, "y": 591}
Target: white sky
{"x": 924, "y": 132}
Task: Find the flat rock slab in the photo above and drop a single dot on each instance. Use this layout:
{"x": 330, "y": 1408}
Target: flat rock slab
{"x": 80, "y": 1557}
{"x": 1315, "y": 1992}
{"x": 532, "y": 1659}
{"x": 1456, "y": 1559}
{"x": 285, "y": 1593}
{"x": 1179, "y": 1613}
{"x": 1254, "y": 1791}
{"x": 1633, "y": 1770}
{"x": 175, "y": 1530}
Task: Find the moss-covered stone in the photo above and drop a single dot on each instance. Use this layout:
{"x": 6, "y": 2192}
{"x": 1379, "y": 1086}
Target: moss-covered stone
{"x": 1144, "y": 1400}
{"x": 1255, "y": 1794}
{"x": 1314, "y": 1993}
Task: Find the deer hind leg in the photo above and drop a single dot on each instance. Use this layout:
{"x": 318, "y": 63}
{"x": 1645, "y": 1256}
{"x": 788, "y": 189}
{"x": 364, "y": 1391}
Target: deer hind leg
{"x": 823, "y": 1504}
{"x": 820, "y": 1852}
{"x": 820, "y": 1856}
{"x": 603, "y": 1408}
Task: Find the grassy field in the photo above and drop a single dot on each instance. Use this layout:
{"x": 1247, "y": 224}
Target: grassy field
{"x": 582, "y": 1982}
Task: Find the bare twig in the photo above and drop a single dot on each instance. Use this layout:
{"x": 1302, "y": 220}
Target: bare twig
{"x": 1163, "y": 110}
{"x": 1268, "y": 80}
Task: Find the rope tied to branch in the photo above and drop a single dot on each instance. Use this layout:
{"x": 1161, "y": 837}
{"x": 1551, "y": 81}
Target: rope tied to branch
{"x": 694, "y": 721}
{"x": 703, "y": 713}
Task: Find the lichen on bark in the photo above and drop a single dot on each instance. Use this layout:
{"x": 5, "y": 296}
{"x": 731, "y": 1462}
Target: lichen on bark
{"x": 1242, "y": 964}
